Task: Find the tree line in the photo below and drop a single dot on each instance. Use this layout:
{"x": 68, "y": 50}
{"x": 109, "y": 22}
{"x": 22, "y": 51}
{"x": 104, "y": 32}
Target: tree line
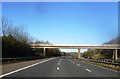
{"x": 16, "y": 42}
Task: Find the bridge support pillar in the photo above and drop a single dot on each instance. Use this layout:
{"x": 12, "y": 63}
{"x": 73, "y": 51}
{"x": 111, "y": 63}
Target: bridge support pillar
{"x": 78, "y": 53}
{"x": 43, "y": 51}
{"x": 113, "y": 55}
{"x": 116, "y": 52}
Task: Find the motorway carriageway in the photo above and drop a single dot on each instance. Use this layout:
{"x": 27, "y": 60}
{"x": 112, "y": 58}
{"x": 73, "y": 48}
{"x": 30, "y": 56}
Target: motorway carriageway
{"x": 62, "y": 67}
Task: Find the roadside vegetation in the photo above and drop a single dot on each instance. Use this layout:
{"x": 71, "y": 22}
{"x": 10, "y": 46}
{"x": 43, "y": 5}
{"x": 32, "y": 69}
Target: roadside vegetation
{"x": 91, "y": 55}
{"x": 100, "y": 54}
{"x": 74, "y": 54}
{"x": 103, "y": 53}
{"x": 16, "y": 43}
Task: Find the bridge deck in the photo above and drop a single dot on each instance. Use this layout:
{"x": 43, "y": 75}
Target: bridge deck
{"x": 77, "y": 46}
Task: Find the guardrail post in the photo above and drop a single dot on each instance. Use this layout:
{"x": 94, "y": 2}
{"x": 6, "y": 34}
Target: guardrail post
{"x": 43, "y": 51}
{"x": 78, "y": 53}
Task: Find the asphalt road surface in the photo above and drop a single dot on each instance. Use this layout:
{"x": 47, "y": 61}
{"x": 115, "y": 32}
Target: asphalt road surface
{"x": 64, "y": 67}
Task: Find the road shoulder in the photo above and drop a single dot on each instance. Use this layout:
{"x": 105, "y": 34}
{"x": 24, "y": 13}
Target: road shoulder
{"x": 14, "y": 66}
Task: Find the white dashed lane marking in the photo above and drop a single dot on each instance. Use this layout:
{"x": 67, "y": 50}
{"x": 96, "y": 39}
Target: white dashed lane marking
{"x": 78, "y": 65}
{"x": 88, "y": 70}
{"x": 58, "y": 68}
{"x": 58, "y": 63}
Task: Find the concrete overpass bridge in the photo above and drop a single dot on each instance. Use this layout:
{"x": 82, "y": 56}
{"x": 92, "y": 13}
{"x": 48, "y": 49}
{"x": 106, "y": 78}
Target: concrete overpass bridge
{"x": 114, "y": 47}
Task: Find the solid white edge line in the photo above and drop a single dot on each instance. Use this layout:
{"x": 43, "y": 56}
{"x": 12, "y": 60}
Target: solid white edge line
{"x": 25, "y": 67}
{"x": 88, "y": 70}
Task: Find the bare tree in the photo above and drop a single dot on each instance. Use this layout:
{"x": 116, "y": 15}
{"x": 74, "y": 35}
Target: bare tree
{"x": 16, "y": 31}
{"x": 6, "y": 26}
{"x": 19, "y": 34}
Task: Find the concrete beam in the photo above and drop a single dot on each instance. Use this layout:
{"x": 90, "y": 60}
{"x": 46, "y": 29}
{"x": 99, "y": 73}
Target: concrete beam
{"x": 78, "y": 53}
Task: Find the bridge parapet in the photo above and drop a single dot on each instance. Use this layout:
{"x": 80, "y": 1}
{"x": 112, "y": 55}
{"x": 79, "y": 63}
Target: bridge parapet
{"x": 41, "y": 44}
